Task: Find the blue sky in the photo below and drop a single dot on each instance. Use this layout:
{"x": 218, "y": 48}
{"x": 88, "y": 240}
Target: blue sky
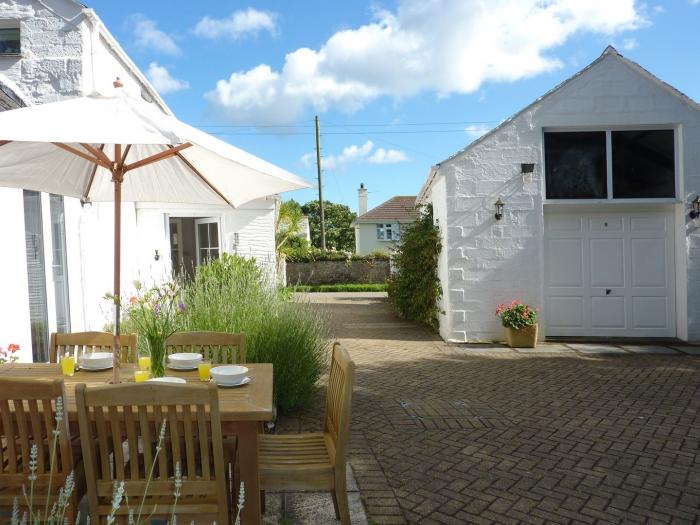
{"x": 398, "y": 85}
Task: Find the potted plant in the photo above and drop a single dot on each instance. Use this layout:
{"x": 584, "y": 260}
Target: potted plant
{"x": 154, "y": 313}
{"x": 520, "y": 322}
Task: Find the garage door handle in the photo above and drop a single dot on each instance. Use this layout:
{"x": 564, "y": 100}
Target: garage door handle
{"x": 607, "y": 291}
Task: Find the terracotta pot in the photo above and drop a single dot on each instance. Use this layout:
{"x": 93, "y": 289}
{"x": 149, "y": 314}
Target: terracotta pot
{"x": 522, "y": 337}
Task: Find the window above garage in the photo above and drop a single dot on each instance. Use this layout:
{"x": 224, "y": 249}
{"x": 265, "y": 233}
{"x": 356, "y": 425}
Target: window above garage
{"x": 608, "y": 165}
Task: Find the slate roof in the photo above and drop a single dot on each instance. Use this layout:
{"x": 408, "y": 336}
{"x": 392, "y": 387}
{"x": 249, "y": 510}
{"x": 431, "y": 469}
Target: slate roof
{"x": 400, "y": 208}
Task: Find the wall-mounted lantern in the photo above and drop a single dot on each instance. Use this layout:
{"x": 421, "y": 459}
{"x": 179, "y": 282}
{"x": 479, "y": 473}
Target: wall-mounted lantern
{"x": 499, "y": 209}
{"x": 695, "y": 212}
{"x": 156, "y": 256}
{"x": 527, "y": 168}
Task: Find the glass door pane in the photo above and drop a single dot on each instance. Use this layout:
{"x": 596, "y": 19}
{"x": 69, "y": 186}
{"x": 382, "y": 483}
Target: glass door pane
{"x": 36, "y": 276}
{"x": 207, "y": 239}
{"x": 59, "y": 263}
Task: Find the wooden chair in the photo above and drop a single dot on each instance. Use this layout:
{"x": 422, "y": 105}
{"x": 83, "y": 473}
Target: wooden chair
{"x": 119, "y": 433}
{"x": 220, "y": 347}
{"x": 315, "y": 461}
{"x": 79, "y": 343}
{"x": 28, "y": 417}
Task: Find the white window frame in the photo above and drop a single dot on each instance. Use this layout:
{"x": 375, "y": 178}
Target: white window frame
{"x": 394, "y": 228}
{"x": 608, "y": 155}
{"x": 206, "y": 220}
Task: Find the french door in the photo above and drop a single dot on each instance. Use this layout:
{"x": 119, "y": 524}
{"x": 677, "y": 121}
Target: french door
{"x": 207, "y": 239}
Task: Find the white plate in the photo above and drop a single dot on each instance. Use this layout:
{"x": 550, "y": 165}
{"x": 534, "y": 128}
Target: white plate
{"x": 185, "y": 358}
{"x": 171, "y": 366}
{"x": 167, "y": 379}
{"x": 245, "y": 381}
{"x": 94, "y": 368}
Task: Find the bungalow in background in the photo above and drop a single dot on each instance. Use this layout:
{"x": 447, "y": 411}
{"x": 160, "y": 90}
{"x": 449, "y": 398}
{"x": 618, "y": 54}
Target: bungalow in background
{"x": 57, "y": 254}
{"x": 584, "y": 204}
{"x": 379, "y": 229}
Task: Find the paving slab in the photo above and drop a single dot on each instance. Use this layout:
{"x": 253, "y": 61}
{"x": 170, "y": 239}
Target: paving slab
{"x": 690, "y": 350}
{"x": 650, "y": 349}
{"x": 482, "y": 347}
{"x": 546, "y": 349}
{"x": 596, "y": 348}
{"x": 311, "y": 506}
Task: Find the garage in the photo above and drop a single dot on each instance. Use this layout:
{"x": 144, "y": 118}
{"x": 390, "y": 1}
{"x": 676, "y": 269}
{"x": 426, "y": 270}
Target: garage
{"x": 610, "y": 273}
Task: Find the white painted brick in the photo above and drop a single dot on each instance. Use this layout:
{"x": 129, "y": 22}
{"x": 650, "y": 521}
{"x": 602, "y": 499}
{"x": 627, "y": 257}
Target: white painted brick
{"x": 502, "y": 261}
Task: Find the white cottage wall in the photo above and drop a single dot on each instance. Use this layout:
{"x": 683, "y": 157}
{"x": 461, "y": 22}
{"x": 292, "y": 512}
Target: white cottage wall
{"x": 493, "y": 261}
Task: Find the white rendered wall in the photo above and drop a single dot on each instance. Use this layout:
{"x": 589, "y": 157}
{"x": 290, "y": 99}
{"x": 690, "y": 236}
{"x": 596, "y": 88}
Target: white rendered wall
{"x": 491, "y": 262}
{"x": 438, "y": 198}
{"x": 366, "y": 240}
{"x": 14, "y": 306}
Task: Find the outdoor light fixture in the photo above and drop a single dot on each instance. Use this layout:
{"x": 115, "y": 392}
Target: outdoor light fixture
{"x": 156, "y": 256}
{"x": 499, "y": 209}
{"x": 526, "y": 169}
{"x": 695, "y": 212}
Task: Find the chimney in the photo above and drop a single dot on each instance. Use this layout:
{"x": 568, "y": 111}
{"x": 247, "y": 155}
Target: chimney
{"x": 362, "y": 199}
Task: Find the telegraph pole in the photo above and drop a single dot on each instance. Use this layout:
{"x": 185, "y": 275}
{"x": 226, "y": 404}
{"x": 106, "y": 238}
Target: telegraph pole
{"x": 320, "y": 183}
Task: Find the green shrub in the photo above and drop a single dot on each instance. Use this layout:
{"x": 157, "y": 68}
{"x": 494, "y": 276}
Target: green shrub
{"x": 352, "y": 287}
{"x": 231, "y": 294}
{"x": 311, "y": 254}
{"x": 415, "y": 289}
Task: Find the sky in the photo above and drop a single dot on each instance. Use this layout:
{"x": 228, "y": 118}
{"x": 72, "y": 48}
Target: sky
{"x": 398, "y": 85}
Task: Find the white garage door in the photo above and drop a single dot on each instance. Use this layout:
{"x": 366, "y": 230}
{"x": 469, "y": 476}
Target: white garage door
{"x": 610, "y": 274}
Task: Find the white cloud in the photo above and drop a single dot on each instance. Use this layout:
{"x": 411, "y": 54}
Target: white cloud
{"x": 163, "y": 81}
{"x": 355, "y": 154}
{"x": 629, "y": 43}
{"x": 240, "y": 24}
{"x": 474, "y": 131}
{"x": 387, "y": 156}
{"x": 308, "y": 159}
{"x": 443, "y": 46}
{"x": 349, "y": 155}
{"x": 147, "y": 36}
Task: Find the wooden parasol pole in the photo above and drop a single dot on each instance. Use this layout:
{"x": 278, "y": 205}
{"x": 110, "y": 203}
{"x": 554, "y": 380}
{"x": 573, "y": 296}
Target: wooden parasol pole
{"x": 117, "y": 179}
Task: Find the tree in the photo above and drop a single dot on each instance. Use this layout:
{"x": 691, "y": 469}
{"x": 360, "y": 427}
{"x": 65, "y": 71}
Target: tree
{"x": 288, "y": 224}
{"x": 339, "y": 234}
{"x": 415, "y": 288}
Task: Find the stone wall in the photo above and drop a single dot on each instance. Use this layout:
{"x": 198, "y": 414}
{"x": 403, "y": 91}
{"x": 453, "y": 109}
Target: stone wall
{"x": 337, "y": 272}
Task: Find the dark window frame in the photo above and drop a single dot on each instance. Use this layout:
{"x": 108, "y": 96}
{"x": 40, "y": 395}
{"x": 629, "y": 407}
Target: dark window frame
{"x": 17, "y": 51}
{"x": 609, "y": 164}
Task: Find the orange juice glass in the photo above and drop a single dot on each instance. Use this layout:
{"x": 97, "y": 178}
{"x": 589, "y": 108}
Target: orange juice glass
{"x": 140, "y": 376}
{"x": 145, "y": 362}
{"x": 68, "y": 365}
{"x": 204, "y": 369}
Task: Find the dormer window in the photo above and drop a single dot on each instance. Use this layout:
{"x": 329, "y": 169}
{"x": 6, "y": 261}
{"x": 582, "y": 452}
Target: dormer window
{"x": 9, "y": 39}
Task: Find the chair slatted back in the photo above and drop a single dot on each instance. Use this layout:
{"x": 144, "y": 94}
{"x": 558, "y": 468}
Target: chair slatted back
{"x": 220, "y": 347}
{"x": 28, "y": 417}
{"x": 79, "y": 343}
{"x": 120, "y": 428}
{"x": 339, "y": 402}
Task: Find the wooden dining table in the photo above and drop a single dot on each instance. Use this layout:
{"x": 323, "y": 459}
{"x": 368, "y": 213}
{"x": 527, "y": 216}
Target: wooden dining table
{"x": 242, "y": 410}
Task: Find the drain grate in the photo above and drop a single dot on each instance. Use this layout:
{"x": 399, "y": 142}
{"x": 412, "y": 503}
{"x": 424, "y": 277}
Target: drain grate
{"x": 446, "y": 414}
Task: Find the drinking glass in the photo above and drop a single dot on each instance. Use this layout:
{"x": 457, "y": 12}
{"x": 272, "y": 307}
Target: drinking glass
{"x": 145, "y": 362}
{"x": 141, "y": 375}
{"x": 204, "y": 369}
{"x": 68, "y": 365}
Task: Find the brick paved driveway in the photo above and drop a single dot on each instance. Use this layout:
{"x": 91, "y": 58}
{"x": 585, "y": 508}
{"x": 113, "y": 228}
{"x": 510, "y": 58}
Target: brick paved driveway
{"x": 445, "y": 434}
